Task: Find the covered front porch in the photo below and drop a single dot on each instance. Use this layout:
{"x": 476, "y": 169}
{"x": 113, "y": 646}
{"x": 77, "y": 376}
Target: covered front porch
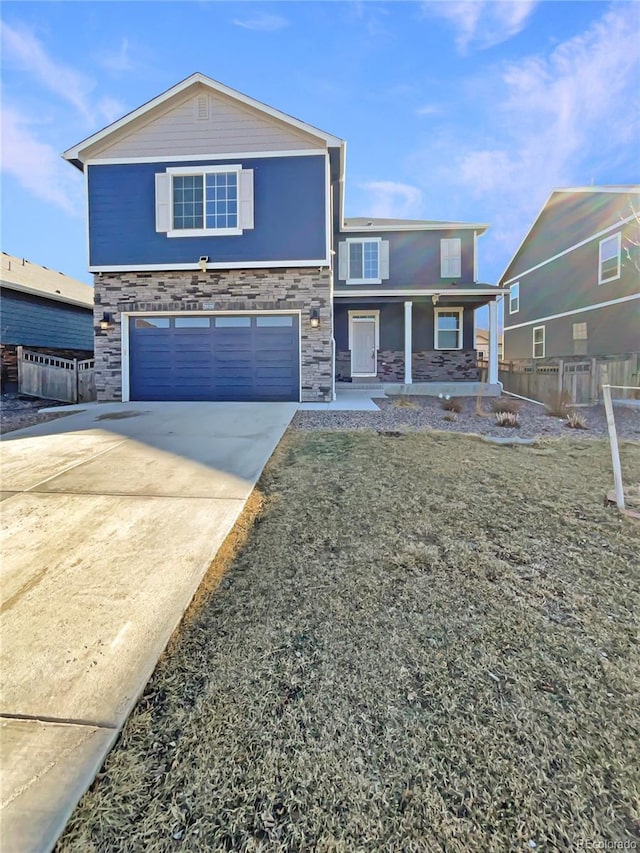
{"x": 424, "y": 344}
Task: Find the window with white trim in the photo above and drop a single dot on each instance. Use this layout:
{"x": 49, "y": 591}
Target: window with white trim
{"x": 363, "y": 261}
{"x": 447, "y": 331}
{"x": 609, "y": 258}
{"x": 514, "y": 298}
{"x": 451, "y": 258}
{"x": 538, "y": 341}
{"x": 211, "y": 200}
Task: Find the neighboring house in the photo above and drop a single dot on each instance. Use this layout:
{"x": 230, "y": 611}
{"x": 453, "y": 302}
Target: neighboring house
{"x": 482, "y": 344}
{"x": 224, "y": 268}
{"x": 574, "y": 283}
{"x": 42, "y": 310}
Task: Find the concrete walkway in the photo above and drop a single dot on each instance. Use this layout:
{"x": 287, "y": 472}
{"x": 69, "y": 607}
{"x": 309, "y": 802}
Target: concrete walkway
{"x": 111, "y": 517}
{"x": 347, "y": 401}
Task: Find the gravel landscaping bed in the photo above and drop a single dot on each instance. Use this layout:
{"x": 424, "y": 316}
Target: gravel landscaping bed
{"x": 409, "y": 413}
{"x": 19, "y": 411}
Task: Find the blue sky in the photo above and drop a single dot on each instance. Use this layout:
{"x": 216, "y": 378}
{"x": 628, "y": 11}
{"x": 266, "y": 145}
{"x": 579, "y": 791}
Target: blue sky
{"x": 469, "y": 111}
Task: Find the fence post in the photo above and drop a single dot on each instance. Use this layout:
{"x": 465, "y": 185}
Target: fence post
{"x": 19, "y": 366}
{"x": 613, "y": 440}
{"x": 560, "y": 377}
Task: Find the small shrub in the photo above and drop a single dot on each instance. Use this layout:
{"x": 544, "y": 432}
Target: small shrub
{"x": 404, "y": 403}
{"x": 507, "y": 419}
{"x": 450, "y": 416}
{"x": 576, "y": 421}
{"x": 506, "y": 404}
{"x": 558, "y": 405}
{"x": 452, "y": 404}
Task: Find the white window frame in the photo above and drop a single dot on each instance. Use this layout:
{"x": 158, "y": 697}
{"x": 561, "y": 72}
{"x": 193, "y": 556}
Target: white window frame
{"x": 542, "y": 342}
{"x": 362, "y": 241}
{"x": 514, "y": 298}
{"x": 451, "y": 253}
{"x": 203, "y": 171}
{"x": 618, "y": 238}
{"x": 451, "y": 310}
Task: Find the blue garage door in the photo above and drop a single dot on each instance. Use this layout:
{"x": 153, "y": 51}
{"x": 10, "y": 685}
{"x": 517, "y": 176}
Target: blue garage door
{"x": 224, "y": 357}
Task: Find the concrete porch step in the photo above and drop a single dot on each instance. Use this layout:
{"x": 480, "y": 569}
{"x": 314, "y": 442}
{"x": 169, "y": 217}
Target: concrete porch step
{"x": 430, "y": 389}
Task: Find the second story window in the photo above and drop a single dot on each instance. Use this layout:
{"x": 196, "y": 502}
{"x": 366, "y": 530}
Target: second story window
{"x": 514, "y": 298}
{"x": 213, "y": 200}
{"x": 609, "y": 260}
{"x": 363, "y": 261}
{"x": 451, "y": 258}
{"x": 205, "y": 201}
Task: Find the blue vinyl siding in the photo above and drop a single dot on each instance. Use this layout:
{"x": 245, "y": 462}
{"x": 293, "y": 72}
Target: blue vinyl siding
{"x": 31, "y": 321}
{"x": 392, "y": 323}
{"x": 414, "y": 258}
{"x": 289, "y": 215}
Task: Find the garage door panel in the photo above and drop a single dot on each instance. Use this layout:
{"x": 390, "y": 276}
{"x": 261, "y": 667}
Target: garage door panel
{"x": 219, "y": 357}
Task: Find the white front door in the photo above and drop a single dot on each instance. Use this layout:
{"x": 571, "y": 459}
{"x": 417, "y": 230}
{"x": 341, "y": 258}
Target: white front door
{"x": 363, "y": 347}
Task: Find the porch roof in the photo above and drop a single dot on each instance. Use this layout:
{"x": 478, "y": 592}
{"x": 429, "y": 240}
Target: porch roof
{"x": 471, "y": 291}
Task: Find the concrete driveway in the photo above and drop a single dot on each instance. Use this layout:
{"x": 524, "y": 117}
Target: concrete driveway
{"x": 111, "y": 517}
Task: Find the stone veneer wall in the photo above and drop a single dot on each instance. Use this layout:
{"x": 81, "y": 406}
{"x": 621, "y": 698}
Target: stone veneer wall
{"x": 217, "y": 290}
{"x": 427, "y": 366}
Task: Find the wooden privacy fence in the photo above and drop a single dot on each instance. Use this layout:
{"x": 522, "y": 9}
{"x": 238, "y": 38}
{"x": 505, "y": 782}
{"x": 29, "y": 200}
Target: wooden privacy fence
{"x": 577, "y": 379}
{"x": 69, "y": 380}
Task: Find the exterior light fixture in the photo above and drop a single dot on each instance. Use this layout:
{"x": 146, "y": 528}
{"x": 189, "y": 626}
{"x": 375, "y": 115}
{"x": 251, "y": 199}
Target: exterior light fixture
{"x": 435, "y": 298}
{"x": 202, "y": 262}
{"x": 107, "y": 321}
{"x": 314, "y": 318}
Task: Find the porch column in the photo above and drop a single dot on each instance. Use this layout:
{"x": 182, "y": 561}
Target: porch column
{"x": 408, "y": 342}
{"x": 493, "y": 342}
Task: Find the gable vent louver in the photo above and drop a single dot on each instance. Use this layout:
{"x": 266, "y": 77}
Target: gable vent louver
{"x": 202, "y": 108}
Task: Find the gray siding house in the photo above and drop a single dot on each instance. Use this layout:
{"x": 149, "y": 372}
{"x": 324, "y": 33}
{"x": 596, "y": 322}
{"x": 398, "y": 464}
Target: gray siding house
{"x": 42, "y": 310}
{"x": 225, "y": 269}
{"x": 574, "y": 282}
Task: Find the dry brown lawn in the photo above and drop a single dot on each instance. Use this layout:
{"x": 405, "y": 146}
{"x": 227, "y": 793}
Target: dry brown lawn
{"x": 426, "y": 643}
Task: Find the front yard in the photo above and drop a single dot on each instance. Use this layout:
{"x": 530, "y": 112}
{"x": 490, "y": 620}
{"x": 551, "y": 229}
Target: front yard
{"x": 426, "y": 643}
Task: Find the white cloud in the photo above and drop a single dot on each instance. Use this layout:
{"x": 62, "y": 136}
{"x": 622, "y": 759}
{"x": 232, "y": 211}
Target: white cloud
{"x": 110, "y": 108}
{"x": 557, "y": 121}
{"x": 429, "y": 110}
{"x": 120, "y": 60}
{"x": 483, "y": 23}
{"x": 392, "y": 199}
{"x": 262, "y": 21}
{"x": 37, "y": 166}
{"x": 22, "y": 49}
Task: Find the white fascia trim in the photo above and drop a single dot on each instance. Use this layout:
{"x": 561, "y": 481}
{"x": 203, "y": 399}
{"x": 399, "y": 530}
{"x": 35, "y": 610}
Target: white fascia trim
{"x": 618, "y": 224}
{"x": 603, "y": 188}
{"x": 74, "y": 152}
{"x": 212, "y": 313}
{"x": 442, "y": 226}
{"x": 574, "y": 311}
{"x": 475, "y": 255}
{"x": 43, "y": 294}
{"x": 124, "y": 355}
{"x": 327, "y": 202}
{"x": 228, "y": 265}
{"x": 188, "y": 158}
{"x": 459, "y": 291}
